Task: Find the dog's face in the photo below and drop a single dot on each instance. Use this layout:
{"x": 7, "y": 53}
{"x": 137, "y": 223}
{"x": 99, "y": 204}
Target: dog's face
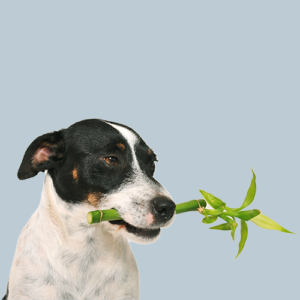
{"x": 109, "y": 166}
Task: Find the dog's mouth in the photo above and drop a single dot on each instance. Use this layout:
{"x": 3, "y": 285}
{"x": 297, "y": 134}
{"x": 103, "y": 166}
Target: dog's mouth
{"x": 139, "y": 232}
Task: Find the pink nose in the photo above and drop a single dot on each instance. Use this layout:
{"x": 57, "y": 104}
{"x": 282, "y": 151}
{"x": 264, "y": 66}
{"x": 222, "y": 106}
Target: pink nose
{"x": 149, "y": 218}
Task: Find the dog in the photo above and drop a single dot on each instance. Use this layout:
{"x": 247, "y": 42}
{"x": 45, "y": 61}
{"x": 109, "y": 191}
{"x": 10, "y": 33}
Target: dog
{"x": 93, "y": 164}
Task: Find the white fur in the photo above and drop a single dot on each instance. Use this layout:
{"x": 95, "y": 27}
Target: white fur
{"x": 131, "y": 139}
{"x": 54, "y": 245}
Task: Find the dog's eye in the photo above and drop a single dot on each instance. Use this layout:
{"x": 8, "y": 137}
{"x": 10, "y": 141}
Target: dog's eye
{"x": 111, "y": 160}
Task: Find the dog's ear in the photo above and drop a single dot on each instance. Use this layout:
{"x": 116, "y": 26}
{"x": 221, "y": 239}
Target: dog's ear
{"x": 44, "y": 153}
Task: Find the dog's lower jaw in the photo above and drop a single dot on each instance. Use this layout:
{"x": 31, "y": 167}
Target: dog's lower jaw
{"x": 139, "y": 235}
{"x": 135, "y": 235}
{"x": 60, "y": 256}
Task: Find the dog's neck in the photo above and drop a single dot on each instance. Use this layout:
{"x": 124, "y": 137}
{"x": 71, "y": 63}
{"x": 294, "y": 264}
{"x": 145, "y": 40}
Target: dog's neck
{"x": 65, "y": 226}
{"x": 59, "y": 254}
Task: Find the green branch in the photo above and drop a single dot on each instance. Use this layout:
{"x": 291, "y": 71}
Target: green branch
{"x": 220, "y": 210}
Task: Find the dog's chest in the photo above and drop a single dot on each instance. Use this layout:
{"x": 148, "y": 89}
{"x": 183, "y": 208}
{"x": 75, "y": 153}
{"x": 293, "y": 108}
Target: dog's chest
{"x": 84, "y": 267}
{"x": 96, "y": 280}
{"x": 88, "y": 276}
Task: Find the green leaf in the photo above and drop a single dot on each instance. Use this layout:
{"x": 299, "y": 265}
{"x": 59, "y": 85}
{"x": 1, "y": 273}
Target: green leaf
{"x": 233, "y": 228}
{"x": 244, "y": 235}
{"x": 214, "y": 212}
{"x": 225, "y": 226}
{"x": 209, "y": 220}
{"x": 247, "y": 215}
{"x": 227, "y": 219}
{"x": 267, "y": 223}
{"x": 230, "y": 209}
{"x": 212, "y": 200}
{"x": 250, "y": 194}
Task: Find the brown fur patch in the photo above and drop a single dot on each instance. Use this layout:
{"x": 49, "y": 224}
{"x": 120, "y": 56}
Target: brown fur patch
{"x": 121, "y": 146}
{"x": 94, "y": 198}
{"x": 75, "y": 174}
{"x": 149, "y": 151}
{"x": 121, "y": 226}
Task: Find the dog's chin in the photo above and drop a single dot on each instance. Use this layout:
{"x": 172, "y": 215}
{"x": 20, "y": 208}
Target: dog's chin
{"x": 135, "y": 234}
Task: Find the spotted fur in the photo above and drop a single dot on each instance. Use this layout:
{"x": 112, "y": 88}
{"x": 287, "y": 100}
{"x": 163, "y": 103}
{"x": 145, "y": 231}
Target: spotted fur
{"x": 59, "y": 255}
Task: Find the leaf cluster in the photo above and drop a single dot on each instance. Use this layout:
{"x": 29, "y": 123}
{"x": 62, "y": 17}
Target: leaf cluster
{"x": 220, "y": 210}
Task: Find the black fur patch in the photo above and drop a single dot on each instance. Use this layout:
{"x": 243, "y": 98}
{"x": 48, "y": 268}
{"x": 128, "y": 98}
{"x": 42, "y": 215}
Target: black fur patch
{"x": 84, "y": 145}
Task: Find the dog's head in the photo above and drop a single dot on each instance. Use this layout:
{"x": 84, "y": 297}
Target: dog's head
{"x": 107, "y": 165}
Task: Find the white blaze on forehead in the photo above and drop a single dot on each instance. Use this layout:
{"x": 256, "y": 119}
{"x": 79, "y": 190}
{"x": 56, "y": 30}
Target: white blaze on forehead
{"x": 131, "y": 139}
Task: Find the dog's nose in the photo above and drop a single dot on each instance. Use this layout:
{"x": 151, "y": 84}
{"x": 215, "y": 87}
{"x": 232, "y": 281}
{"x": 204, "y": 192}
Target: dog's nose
{"x": 163, "y": 209}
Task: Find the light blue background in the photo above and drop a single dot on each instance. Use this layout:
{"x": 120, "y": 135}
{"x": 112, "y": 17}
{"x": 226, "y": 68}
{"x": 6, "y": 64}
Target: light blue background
{"x": 211, "y": 86}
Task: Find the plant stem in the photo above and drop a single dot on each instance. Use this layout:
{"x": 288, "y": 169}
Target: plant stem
{"x": 112, "y": 214}
{"x": 108, "y": 215}
{"x": 192, "y": 205}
